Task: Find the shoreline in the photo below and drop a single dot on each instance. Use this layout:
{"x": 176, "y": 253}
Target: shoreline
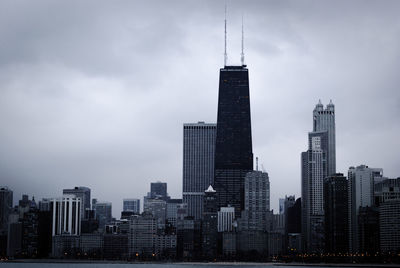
{"x": 222, "y": 263}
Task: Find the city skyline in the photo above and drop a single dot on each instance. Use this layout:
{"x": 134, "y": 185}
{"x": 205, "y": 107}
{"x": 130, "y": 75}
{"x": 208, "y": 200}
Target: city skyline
{"x": 80, "y": 105}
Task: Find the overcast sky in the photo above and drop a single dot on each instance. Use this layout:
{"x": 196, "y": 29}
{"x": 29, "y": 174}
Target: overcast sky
{"x": 95, "y": 93}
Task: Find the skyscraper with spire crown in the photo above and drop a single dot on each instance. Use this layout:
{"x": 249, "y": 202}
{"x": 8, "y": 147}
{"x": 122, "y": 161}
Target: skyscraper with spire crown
{"x": 317, "y": 163}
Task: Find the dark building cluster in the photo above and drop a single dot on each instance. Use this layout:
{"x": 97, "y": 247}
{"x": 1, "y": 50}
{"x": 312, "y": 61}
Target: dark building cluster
{"x": 224, "y": 213}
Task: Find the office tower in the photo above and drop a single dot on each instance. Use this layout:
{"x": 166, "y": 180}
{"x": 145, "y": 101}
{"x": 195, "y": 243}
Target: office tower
{"x": 317, "y": 163}
{"x": 387, "y": 198}
{"x": 24, "y": 202}
{"x": 115, "y": 246}
{"x": 131, "y": 204}
{"x": 226, "y": 217}
{"x": 158, "y": 189}
{"x": 14, "y": 239}
{"x": 90, "y": 224}
{"x": 103, "y": 213}
{"x": 44, "y": 204}
{"x": 166, "y": 245}
{"x": 44, "y": 233}
{"x": 360, "y": 195}
{"x": 255, "y": 219}
{"x": 324, "y": 120}
{"x": 94, "y": 202}
{"x": 24, "y": 230}
{"x": 142, "y": 232}
{"x": 293, "y": 227}
{"x": 66, "y": 215}
{"x": 30, "y": 223}
{"x": 276, "y": 236}
{"x": 210, "y": 221}
{"x": 189, "y": 239}
{"x": 233, "y": 149}
{"x": 389, "y": 225}
{"x": 172, "y": 210}
{"x": 386, "y": 190}
{"x": 198, "y": 164}
{"x": 293, "y": 217}
{"x": 84, "y": 194}
{"x": 6, "y": 204}
{"x": 281, "y": 205}
{"x": 257, "y": 200}
{"x": 289, "y": 202}
{"x": 158, "y": 208}
{"x": 313, "y": 174}
{"x": 336, "y": 214}
{"x": 368, "y": 230}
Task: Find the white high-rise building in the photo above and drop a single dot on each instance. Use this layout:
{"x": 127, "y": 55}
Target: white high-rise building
{"x": 361, "y": 194}
{"x": 66, "y": 215}
{"x": 318, "y": 162}
{"x": 198, "y": 164}
{"x": 324, "y": 120}
{"x": 226, "y": 216}
{"x": 84, "y": 194}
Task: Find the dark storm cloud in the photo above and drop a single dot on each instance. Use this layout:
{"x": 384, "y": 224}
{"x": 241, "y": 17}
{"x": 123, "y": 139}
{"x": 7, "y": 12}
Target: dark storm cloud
{"x": 95, "y": 93}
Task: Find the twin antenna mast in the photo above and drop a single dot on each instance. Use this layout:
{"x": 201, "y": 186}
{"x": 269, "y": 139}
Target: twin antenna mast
{"x": 241, "y": 54}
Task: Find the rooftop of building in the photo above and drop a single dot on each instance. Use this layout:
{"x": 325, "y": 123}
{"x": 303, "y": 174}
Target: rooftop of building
{"x": 234, "y": 68}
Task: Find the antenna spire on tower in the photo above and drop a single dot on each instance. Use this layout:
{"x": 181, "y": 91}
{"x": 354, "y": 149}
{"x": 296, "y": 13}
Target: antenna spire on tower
{"x": 242, "y": 54}
{"x": 256, "y": 163}
{"x": 225, "y": 55}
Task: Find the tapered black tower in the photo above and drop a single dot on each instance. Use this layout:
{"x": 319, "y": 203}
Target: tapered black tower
{"x": 233, "y": 151}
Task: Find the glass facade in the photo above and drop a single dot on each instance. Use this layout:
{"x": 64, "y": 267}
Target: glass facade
{"x": 233, "y": 150}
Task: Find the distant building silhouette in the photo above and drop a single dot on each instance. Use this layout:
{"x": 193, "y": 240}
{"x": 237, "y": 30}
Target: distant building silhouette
{"x": 6, "y": 204}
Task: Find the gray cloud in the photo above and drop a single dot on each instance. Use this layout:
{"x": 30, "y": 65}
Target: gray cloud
{"x": 95, "y": 93}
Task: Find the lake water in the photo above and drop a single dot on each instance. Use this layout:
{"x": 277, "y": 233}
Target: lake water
{"x": 141, "y": 265}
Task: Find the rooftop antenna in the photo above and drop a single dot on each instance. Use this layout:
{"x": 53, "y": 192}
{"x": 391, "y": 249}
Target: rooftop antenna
{"x": 256, "y": 163}
{"x": 225, "y": 55}
{"x": 242, "y": 54}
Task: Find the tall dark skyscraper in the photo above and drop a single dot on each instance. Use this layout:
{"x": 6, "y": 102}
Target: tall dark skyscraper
{"x": 233, "y": 150}
{"x": 336, "y": 214}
